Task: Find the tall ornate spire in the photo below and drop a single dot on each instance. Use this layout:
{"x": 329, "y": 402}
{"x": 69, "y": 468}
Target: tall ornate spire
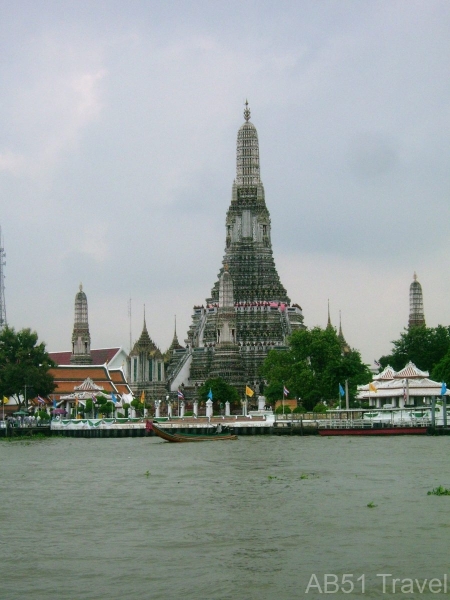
{"x": 81, "y": 339}
{"x": 416, "y": 312}
{"x": 175, "y": 345}
{"x": 247, "y": 153}
{"x": 249, "y": 312}
{"x": 329, "y": 325}
{"x": 144, "y": 339}
{"x": 248, "y": 253}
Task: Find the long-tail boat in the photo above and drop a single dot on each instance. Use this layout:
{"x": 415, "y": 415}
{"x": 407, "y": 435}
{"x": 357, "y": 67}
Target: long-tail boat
{"x": 177, "y": 437}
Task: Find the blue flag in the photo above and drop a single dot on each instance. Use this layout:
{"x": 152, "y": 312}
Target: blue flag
{"x": 341, "y": 390}
{"x": 210, "y": 395}
{"x": 54, "y": 403}
{"x": 443, "y": 389}
{"x": 113, "y": 398}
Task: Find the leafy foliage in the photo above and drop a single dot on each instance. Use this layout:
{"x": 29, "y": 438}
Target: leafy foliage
{"x": 313, "y": 367}
{"x": 424, "y": 346}
{"x": 24, "y": 366}
{"x": 439, "y": 491}
{"x": 283, "y": 410}
{"x": 221, "y": 391}
{"x": 138, "y": 406}
{"x": 441, "y": 371}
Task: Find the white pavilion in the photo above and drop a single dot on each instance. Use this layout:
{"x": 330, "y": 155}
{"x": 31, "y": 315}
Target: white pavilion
{"x": 408, "y": 387}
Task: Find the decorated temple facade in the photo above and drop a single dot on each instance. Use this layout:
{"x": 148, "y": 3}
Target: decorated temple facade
{"x": 248, "y": 312}
{"x": 146, "y": 368}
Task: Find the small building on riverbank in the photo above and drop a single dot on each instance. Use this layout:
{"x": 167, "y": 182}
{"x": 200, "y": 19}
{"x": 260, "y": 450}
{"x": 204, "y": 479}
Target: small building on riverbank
{"x": 396, "y": 389}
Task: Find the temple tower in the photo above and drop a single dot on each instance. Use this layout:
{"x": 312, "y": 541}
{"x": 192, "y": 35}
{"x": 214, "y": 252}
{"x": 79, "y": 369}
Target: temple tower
{"x": 248, "y": 251}
{"x": 146, "y": 367}
{"x": 259, "y": 317}
{"x": 416, "y": 313}
{"x": 81, "y": 339}
{"x": 2, "y": 285}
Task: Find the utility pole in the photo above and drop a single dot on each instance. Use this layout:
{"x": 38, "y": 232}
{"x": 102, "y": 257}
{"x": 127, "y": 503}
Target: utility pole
{"x": 2, "y": 285}
{"x": 129, "y": 318}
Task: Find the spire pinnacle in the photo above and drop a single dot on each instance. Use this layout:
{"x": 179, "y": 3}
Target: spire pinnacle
{"x": 247, "y": 113}
{"x": 329, "y": 325}
{"x": 247, "y": 153}
{"x": 416, "y": 312}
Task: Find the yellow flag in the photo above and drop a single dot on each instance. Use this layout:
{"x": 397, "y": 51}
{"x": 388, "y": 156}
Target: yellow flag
{"x": 76, "y": 400}
{"x": 5, "y": 400}
{"x": 143, "y": 397}
{"x": 249, "y": 391}
{"x": 372, "y": 388}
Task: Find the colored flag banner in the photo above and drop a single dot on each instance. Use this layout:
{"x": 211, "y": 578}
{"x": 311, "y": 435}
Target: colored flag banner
{"x": 443, "y": 389}
{"x": 210, "y": 394}
{"x": 143, "y": 397}
{"x": 114, "y": 398}
{"x": 249, "y": 391}
{"x": 285, "y": 391}
{"x": 5, "y": 400}
{"x": 54, "y": 403}
{"x": 372, "y": 388}
{"x": 341, "y": 390}
{"x": 180, "y": 395}
{"x": 40, "y": 400}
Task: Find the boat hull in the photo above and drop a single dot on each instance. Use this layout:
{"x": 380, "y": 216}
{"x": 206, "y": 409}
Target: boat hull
{"x": 375, "y": 431}
{"x": 179, "y": 438}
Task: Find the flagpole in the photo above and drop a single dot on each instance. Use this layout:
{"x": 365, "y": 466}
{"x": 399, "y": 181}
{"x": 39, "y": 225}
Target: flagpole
{"x": 444, "y": 403}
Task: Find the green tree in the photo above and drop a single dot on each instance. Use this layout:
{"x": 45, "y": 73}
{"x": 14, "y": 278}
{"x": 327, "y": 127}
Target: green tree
{"x": 138, "y": 406}
{"x": 312, "y": 368}
{"x": 24, "y": 366}
{"x": 441, "y": 371}
{"x": 89, "y": 409}
{"x": 221, "y": 391}
{"x": 424, "y": 346}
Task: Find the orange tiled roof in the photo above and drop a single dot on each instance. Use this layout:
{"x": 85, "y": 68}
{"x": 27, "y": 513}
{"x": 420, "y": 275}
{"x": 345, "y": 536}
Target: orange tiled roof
{"x": 68, "y": 377}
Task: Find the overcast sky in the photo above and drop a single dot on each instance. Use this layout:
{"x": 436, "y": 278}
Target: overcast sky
{"x": 117, "y": 157}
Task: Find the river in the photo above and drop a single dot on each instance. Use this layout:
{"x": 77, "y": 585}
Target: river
{"x": 268, "y": 518}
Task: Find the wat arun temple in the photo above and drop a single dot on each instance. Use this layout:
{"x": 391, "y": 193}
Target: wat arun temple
{"x": 249, "y": 312}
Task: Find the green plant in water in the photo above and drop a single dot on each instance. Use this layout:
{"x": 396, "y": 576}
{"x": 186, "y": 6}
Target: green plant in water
{"x": 147, "y": 473}
{"x": 304, "y": 476}
{"x": 372, "y": 505}
{"x": 439, "y": 491}
{"x": 272, "y": 477}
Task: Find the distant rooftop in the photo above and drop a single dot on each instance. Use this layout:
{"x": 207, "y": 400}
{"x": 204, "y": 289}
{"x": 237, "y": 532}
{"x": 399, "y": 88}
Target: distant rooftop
{"x": 99, "y": 357}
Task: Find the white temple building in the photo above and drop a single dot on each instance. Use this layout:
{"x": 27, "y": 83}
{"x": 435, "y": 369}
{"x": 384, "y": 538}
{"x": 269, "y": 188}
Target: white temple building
{"x": 408, "y": 387}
